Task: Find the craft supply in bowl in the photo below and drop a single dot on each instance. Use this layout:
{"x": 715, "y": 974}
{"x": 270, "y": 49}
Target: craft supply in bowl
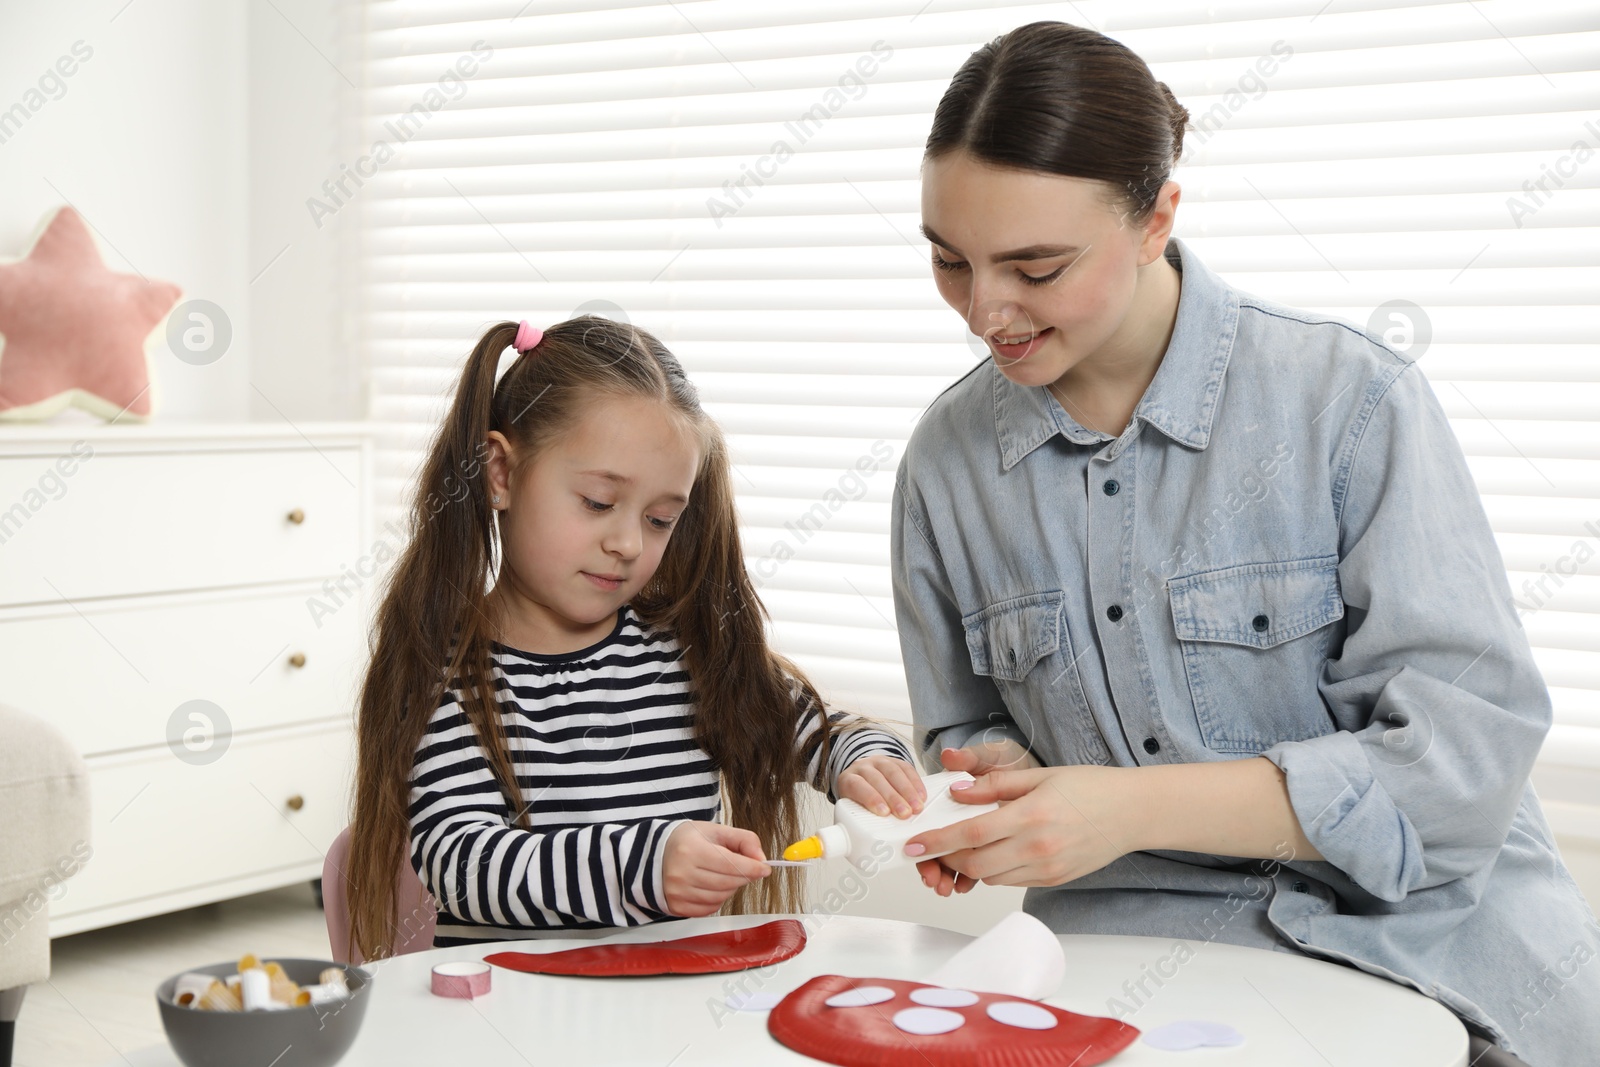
{"x": 222, "y": 1034}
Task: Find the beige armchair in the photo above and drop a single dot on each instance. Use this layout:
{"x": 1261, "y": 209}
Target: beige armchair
{"x": 44, "y": 840}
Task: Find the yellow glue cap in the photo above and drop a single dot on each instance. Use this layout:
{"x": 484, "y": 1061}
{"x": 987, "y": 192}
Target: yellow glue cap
{"x": 809, "y": 849}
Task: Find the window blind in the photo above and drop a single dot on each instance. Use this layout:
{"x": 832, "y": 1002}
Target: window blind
{"x": 741, "y": 178}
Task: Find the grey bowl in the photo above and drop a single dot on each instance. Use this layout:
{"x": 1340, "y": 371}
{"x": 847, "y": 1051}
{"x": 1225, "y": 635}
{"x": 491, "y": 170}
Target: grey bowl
{"x": 313, "y": 1036}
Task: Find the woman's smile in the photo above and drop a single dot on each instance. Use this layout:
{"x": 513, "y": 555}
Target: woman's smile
{"x": 1018, "y": 348}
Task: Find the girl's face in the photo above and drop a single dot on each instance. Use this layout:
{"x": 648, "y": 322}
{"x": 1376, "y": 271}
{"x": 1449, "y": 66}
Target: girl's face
{"x": 1024, "y": 254}
{"x": 584, "y": 525}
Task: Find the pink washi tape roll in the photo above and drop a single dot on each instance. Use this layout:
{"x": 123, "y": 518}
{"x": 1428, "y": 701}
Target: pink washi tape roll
{"x": 464, "y": 979}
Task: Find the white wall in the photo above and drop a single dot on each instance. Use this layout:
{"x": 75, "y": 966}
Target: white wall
{"x": 188, "y": 139}
{"x": 300, "y": 119}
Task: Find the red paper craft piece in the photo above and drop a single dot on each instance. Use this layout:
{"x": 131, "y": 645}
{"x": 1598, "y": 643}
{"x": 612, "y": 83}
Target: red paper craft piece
{"x": 868, "y": 1037}
{"x": 728, "y": 950}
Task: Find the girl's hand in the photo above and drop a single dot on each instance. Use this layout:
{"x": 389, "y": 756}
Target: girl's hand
{"x": 1054, "y": 824}
{"x": 977, "y": 758}
{"x": 705, "y": 863}
{"x": 884, "y": 783}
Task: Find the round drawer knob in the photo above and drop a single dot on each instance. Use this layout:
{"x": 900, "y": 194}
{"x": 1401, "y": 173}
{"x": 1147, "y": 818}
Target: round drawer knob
{"x": 296, "y": 802}
{"x": 297, "y": 516}
{"x": 298, "y": 659}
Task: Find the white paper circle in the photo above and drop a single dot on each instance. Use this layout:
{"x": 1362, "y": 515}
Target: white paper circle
{"x": 1220, "y": 1035}
{"x": 860, "y": 997}
{"x": 926, "y": 1022}
{"x": 753, "y": 1001}
{"x": 1175, "y": 1037}
{"x": 1025, "y": 1016}
{"x": 944, "y": 998}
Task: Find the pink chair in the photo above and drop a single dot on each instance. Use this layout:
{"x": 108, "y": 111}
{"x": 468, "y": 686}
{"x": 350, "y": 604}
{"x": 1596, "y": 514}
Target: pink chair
{"x": 413, "y": 905}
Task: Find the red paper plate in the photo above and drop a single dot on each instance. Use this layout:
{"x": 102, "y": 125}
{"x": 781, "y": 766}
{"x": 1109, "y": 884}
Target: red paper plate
{"x": 729, "y": 950}
{"x": 868, "y": 1037}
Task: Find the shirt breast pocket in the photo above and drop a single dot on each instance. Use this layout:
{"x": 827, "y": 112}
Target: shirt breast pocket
{"x": 1022, "y": 644}
{"x": 1254, "y": 640}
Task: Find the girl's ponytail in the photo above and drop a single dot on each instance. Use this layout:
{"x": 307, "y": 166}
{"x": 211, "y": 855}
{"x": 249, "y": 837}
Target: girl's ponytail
{"x": 433, "y": 604}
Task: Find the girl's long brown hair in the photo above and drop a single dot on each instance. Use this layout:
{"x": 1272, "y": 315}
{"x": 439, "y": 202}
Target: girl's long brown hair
{"x": 436, "y": 622}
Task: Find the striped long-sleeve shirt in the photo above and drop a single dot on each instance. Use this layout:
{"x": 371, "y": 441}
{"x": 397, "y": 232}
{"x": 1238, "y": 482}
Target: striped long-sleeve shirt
{"x": 603, "y": 747}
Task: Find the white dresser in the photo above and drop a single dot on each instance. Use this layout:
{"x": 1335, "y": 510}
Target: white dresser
{"x": 188, "y": 604}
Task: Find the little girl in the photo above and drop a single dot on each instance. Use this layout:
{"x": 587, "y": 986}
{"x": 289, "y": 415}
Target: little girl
{"x": 612, "y": 686}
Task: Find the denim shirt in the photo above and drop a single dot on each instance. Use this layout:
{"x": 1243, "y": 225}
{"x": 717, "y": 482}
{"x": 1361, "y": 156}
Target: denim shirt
{"x": 1283, "y": 554}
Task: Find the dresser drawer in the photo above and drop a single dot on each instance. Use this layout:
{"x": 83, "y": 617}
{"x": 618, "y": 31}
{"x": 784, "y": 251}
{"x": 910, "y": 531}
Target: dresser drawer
{"x": 111, "y": 675}
{"x": 163, "y": 826}
{"x": 126, "y": 523}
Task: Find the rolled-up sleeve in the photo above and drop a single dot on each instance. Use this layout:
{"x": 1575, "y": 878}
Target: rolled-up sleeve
{"x": 950, "y": 705}
{"x": 1443, "y": 706}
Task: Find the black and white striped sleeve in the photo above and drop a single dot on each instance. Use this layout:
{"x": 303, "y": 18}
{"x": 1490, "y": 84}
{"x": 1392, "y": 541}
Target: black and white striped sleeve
{"x": 849, "y": 738}
{"x": 483, "y": 870}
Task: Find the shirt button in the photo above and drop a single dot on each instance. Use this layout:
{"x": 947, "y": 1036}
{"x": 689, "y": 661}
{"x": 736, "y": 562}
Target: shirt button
{"x": 1300, "y": 887}
{"x": 1114, "y": 612}
{"x": 1111, "y": 487}
{"x": 1152, "y": 746}
{"x": 1260, "y": 623}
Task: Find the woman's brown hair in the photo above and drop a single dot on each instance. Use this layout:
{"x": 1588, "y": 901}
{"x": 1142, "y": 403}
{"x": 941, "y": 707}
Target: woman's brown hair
{"x": 436, "y": 622}
{"x": 1062, "y": 99}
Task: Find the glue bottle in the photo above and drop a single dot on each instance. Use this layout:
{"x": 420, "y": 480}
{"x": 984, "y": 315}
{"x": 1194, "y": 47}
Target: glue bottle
{"x": 861, "y": 836}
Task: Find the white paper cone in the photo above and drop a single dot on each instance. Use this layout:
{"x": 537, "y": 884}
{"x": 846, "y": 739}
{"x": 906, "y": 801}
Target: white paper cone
{"x": 1018, "y": 956}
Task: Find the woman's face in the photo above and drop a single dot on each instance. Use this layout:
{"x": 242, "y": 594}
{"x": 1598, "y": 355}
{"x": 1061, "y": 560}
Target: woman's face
{"x": 1024, "y": 254}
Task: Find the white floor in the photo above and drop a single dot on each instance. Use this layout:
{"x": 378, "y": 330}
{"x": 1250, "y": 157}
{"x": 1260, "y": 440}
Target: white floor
{"x": 99, "y": 1006}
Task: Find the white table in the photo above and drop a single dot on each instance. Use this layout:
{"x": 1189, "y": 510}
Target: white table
{"x": 1291, "y": 1009}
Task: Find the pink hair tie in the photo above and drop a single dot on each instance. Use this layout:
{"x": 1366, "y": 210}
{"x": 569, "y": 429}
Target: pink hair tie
{"x": 527, "y": 336}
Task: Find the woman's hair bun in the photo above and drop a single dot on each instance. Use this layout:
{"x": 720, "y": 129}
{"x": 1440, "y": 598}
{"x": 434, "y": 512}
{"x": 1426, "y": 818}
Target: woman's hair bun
{"x": 1179, "y": 119}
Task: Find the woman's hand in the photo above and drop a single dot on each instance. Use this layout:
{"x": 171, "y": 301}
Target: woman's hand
{"x": 705, "y": 863}
{"x": 883, "y": 783}
{"x": 977, "y": 758}
{"x": 1054, "y": 824}
{"x": 981, "y": 757}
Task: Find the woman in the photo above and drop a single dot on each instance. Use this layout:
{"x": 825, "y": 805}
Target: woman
{"x": 1205, "y": 584}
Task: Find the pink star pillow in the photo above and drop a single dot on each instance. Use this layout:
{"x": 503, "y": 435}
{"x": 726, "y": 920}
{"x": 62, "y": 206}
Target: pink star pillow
{"x": 73, "y": 332}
